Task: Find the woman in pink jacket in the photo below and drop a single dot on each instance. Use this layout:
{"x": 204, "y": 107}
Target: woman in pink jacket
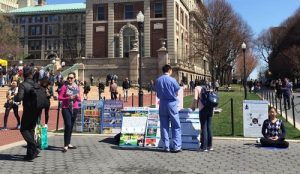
{"x": 70, "y": 97}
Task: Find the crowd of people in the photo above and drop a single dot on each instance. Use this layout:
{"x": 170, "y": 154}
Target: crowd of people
{"x": 166, "y": 88}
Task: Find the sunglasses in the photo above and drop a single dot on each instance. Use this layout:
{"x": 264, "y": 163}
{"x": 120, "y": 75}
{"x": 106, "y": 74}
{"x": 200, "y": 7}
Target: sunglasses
{"x": 70, "y": 78}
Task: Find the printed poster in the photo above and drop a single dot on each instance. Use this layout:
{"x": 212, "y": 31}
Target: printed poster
{"x": 255, "y": 112}
{"x": 133, "y": 126}
{"x": 152, "y": 136}
{"x": 112, "y": 117}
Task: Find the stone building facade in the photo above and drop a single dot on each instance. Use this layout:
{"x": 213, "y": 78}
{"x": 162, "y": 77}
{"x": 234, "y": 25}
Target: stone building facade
{"x": 111, "y": 28}
{"x": 48, "y": 31}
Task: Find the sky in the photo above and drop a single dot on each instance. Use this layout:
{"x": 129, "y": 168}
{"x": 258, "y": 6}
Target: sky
{"x": 259, "y": 14}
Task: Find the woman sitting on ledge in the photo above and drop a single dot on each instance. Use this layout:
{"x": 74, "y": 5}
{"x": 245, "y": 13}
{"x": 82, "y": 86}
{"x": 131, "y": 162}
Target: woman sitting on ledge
{"x": 273, "y": 131}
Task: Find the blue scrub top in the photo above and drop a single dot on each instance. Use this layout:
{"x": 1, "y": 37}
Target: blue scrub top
{"x": 166, "y": 88}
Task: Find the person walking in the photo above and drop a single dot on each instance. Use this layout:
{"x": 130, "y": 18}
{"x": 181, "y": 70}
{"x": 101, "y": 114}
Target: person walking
{"x": 217, "y": 85}
{"x": 113, "y": 90}
{"x": 273, "y": 131}
{"x": 101, "y": 88}
{"x": 126, "y": 86}
{"x": 30, "y": 113}
{"x": 86, "y": 90}
{"x": 167, "y": 90}
{"x": 10, "y": 104}
{"x": 92, "y": 79}
{"x": 287, "y": 91}
{"x": 205, "y": 115}
{"x": 70, "y": 97}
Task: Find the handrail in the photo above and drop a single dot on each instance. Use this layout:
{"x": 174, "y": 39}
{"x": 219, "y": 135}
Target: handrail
{"x": 71, "y": 69}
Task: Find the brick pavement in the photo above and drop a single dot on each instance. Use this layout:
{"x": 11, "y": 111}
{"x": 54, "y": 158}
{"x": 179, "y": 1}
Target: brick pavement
{"x": 13, "y": 135}
{"x": 97, "y": 154}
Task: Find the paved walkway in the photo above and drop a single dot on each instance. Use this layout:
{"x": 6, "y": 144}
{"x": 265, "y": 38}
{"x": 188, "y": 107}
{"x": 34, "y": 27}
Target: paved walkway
{"x": 97, "y": 154}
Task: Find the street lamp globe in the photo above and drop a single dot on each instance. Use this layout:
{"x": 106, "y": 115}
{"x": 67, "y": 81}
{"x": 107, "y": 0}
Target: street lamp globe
{"x": 53, "y": 61}
{"x": 20, "y": 62}
{"x": 244, "y": 46}
{"x": 63, "y": 63}
{"x": 140, "y": 17}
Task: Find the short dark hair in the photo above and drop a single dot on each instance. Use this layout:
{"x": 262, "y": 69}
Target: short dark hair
{"x": 166, "y": 68}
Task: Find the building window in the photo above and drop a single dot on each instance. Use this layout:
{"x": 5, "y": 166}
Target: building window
{"x": 181, "y": 18}
{"x": 50, "y": 30}
{"x": 129, "y": 13}
{"x": 128, "y": 37}
{"x": 117, "y": 46}
{"x": 177, "y": 12}
{"x": 53, "y": 18}
{"x": 158, "y": 9}
{"x": 100, "y": 13}
{"x": 34, "y": 45}
{"x": 35, "y": 30}
{"x": 52, "y": 44}
{"x": 22, "y": 20}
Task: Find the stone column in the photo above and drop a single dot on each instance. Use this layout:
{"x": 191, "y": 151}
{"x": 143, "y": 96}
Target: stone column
{"x": 89, "y": 30}
{"x": 134, "y": 64}
{"x": 110, "y": 30}
{"x": 147, "y": 29}
{"x": 162, "y": 57}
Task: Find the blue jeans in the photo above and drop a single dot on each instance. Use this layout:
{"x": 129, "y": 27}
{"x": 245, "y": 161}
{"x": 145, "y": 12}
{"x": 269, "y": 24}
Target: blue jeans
{"x": 69, "y": 120}
{"x": 169, "y": 112}
{"x": 206, "y": 128}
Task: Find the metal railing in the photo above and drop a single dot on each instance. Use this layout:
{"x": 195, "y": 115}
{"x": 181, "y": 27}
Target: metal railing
{"x": 283, "y": 104}
{"x": 71, "y": 69}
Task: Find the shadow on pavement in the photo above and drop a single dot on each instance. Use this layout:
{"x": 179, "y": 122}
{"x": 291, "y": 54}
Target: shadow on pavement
{"x": 253, "y": 145}
{"x": 50, "y": 148}
{"x": 54, "y": 148}
{"x": 110, "y": 140}
{"x": 137, "y": 149}
{"x": 10, "y": 157}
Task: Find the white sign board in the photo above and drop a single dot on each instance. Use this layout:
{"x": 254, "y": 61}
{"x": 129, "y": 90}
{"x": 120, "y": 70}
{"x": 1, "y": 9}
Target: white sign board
{"x": 255, "y": 112}
{"x": 179, "y": 99}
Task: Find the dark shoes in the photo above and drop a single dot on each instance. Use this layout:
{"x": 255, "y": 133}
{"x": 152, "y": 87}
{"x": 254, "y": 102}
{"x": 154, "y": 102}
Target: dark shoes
{"x": 31, "y": 157}
{"x": 176, "y": 151}
{"x": 72, "y": 147}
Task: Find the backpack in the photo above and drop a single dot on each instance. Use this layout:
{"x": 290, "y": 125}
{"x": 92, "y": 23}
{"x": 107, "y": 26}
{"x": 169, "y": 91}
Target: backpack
{"x": 40, "y": 99}
{"x": 209, "y": 99}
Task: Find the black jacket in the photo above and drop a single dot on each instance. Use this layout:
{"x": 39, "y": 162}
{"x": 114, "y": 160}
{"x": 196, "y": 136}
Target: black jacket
{"x": 24, "y": 92}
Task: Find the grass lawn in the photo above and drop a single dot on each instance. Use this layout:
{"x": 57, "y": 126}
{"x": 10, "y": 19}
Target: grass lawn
{"x": 222, "y": 121}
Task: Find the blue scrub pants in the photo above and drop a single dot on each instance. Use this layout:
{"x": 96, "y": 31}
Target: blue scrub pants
{"x": 168, "y": 112}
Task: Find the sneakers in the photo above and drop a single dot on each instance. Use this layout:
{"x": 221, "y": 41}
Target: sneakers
{"x": 203, "y": 150}
{"x": 45, "y": 125}
{"x": 4, "y": 129}
{"x": 211, "y": 149}
{"x": 258, "y": 140}
{"x": 19, "y": 126}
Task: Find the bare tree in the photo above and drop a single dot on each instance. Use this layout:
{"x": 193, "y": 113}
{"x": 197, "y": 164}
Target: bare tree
{"x": 220, "y": 37}
{"x": 9, "y": 43}
{"x": 250, "y": 61}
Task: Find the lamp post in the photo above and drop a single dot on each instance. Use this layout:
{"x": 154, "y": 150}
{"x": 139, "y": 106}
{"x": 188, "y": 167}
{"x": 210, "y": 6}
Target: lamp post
{"x": 244, "y": 50}
{"x": 140, "y": 21}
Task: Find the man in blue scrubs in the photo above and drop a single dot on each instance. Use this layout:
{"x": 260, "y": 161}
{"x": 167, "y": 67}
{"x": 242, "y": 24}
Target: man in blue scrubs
{"x": 167, "y": 91}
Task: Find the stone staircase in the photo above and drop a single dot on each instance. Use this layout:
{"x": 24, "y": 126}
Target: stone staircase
{"x": 93, "y": 95}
